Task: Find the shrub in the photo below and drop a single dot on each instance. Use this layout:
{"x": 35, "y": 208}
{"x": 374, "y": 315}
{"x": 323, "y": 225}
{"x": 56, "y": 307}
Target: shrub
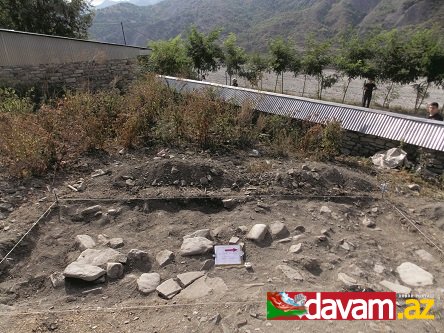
{"x": 149, "y": 113}
{"x": 332, "y": 137}
{"x": 145, "y": 101}
{"x": 322, "y": 140}
{"x": 25, "y": 147}
{"x": 11, "y": 102}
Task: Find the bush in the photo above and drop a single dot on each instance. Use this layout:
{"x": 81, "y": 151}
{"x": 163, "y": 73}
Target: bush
{"x": 145, "y": 101}
{"x": 25, "y": 147}
{"x": 11, "y": 102}
{"x": 148, "y": 114}
{"x": 322, "y": 140}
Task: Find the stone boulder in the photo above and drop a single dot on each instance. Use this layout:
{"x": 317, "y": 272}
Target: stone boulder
{"x": 84, "y": 242}
{"x": 414, "y": 275}
{"x": 164, "y": 258}
{"x": 199, "y": 233}
{"x": 195, "y": 246}
{"x": 169, "y": 289}
{"x": 83, "y": 271}
{"x": 185, "y": 279}
{"x": 278, "y": 230}
{"x": 114, "y": 270}
{"x": 148, "y": 282}
{"x": 258, "y": 232}
{"x": 101, "y": 257}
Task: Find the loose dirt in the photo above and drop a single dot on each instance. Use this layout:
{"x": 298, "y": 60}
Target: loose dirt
{"x": 159, "y": 198}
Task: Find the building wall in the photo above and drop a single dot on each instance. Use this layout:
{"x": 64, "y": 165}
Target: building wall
{"x": 54, "y": 62}
{"x": 89, "y": 75}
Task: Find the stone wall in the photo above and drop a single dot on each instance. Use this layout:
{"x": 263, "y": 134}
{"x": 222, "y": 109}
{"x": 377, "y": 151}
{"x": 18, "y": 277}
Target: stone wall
{"x": 358, "y": 144}
{"x": 72, "y": 76}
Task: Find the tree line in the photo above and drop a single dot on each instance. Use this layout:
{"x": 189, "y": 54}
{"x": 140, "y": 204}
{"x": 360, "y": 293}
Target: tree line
{"x": 396, "y": 57}
{"x": 55, "y": 17}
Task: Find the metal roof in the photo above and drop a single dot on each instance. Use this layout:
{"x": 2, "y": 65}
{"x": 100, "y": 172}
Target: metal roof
{"x": 393, "y": 126}
{"x": 22, "y": 48}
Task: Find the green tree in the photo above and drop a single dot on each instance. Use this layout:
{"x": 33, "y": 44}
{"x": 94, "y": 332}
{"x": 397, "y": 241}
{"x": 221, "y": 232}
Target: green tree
{"x": 203, "y": 50}
{"x": 255, "y": 68}
{"x": 54, "y": 17}
{"x": 427, "y": 49}
{"x": 170, "y": 58}
{"x": 354, "y": 58}
{"x": 395, "y": 60}
{"x": 315, "y": 60}
{"x": 282, "y": 58}
{"x": 234, "y": 56}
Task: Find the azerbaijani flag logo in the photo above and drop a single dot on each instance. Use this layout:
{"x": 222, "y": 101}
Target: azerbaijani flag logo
{"x": 281, "y": 305}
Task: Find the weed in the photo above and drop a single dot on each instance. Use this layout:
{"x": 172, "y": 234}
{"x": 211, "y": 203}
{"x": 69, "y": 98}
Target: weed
{"x": 149, "y": 113}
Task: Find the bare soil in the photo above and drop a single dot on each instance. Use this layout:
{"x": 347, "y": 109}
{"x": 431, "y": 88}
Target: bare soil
{"x": 156, "y": 211}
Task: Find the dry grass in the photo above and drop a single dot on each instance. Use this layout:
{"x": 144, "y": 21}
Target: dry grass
{"x": 259, "y": 166}
{"x": 148, "y": 114}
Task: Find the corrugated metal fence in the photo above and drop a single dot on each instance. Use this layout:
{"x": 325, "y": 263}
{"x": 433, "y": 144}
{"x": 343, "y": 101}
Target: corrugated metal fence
{"x": 23, "y": 49}
{"x": 393, "y": 126}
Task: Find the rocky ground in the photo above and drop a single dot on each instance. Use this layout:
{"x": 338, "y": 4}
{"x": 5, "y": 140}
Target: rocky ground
{"x": 130, "y": 247}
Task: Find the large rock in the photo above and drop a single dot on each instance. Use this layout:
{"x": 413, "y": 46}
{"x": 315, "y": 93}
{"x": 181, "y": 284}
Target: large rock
{"x": 397, "y": 288}
{"x": 148, "y": 282}
{"x": 83, "y": 271}
{"x": 290, "y": 273}
{"x": 137, "y": 255}
{"x": 101, "y": 257}
{"x": 84, "y": 242}
{"x": 185, "y": 279}
{"x": 139, "y": 259}
{"x": 199, "y": 233}
{"x": 202, "y": 287}
{"x": 258, "y": 232}
{"x": 414, "y": 275}
{"x": 164, "y": 257}
{"x": 169, "y": 289}
{"x": 116, "y": 243}
{"x": 278, "y": 230}
{"x": 114, "y": 270}
{"x": 195, "y": 245}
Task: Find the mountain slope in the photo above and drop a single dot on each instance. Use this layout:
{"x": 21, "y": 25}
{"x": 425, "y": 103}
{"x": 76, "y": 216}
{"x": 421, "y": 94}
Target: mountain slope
{"x": 257, "y": 21}
{"x": 108, "y": 3}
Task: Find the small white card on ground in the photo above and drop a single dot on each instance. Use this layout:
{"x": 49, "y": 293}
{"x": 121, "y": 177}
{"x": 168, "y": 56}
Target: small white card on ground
{"x": 228, "y": 254}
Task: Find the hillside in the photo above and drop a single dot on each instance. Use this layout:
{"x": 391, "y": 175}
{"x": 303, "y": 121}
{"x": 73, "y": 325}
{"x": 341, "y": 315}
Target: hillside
{"x": 108, "y": 3}
{"x": 256, "y": 21}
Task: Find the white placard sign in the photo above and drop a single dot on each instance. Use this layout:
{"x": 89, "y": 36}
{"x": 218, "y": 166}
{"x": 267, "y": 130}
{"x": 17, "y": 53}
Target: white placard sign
{"x": 228, "y": 254}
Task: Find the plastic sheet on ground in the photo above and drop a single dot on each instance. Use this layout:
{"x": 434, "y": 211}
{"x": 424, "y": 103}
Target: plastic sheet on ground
{"x": 390, "y": 159}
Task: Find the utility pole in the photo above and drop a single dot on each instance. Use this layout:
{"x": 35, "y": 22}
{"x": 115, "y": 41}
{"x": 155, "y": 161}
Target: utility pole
{"x": 123, "y": 32}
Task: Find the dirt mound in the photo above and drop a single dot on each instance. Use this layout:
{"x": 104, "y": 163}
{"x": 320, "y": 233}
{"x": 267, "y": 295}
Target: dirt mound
{"x": 173, "y": 173}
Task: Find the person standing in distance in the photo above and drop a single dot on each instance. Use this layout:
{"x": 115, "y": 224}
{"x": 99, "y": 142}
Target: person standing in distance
{"x": 368, "y": 92}
{"x": 434, "y": 114}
